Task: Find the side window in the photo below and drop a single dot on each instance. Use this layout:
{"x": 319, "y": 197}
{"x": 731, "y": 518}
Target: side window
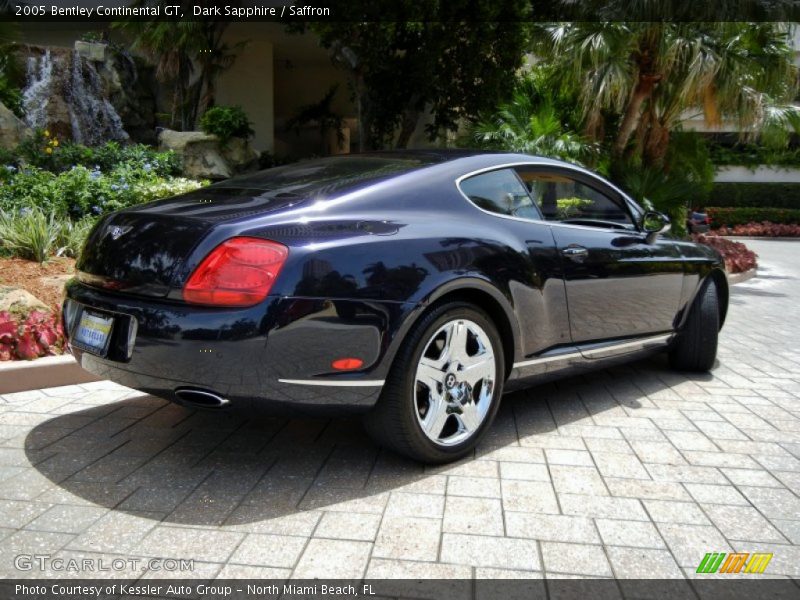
{"x": 561, "y": 198}
{"x": 500, "y": 192}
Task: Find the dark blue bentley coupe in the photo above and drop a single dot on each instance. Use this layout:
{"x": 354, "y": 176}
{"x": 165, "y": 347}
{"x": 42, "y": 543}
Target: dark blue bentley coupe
{"x": 413, "y": 288}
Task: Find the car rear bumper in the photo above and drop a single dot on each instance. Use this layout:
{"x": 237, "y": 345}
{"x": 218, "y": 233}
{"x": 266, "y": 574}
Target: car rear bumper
{"x": 274, "y": 357}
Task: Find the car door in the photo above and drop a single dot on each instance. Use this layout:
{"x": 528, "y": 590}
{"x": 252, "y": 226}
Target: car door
{"x": 531, "y": 267}
{"x": 618, "y": 285}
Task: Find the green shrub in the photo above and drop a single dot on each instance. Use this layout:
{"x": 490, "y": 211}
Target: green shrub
{"x": 72, "y": 236}
{"x": 44, "y": 151}
{"x": 81, "y": 192}
{"x": 669, "y": 193}
{"x": 570, "y": 207}
{"x": 730, "y": 217}
{"x": 29, "y": 233}
{"x": 226, "y": 122}
{"x": 775, "y": 195}
{"x": 750, "y": 155}
{"x": 164, "y": 188}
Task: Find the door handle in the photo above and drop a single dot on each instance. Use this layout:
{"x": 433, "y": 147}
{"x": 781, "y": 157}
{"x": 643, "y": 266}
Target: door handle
{"x": 575, "y": 252}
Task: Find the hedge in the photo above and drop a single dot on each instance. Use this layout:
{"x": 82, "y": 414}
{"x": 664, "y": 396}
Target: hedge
{"x": 726, "y": 216}
{"x": 774, "y": 195}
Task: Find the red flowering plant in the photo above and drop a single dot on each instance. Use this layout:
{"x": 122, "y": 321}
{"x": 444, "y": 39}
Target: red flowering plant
{"x": 39, "y": 334}
{"x": 738, "y": 257}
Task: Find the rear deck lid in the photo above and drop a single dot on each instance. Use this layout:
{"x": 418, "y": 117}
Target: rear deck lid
{"x": 137, "y": 252}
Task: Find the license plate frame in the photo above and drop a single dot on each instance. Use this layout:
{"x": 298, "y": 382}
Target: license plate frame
{"x": 97, "y": 327}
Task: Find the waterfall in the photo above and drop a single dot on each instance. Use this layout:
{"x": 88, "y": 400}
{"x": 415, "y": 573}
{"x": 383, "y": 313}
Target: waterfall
{"x": 36, "y": 95}
{"x": 92, "y": 117}
{"x": 94, "y": 120}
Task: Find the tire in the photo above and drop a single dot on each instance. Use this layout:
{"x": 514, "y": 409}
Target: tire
{"x": 433, "y": 407}
{"x": 696, "y": 346}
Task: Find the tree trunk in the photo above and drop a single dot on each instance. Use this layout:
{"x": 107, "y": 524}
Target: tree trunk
{"x": 636, "y": 149}
{"x": 642, "y": 92}
{"x": 656, "y": 145}
{"x": 407, "y": 127}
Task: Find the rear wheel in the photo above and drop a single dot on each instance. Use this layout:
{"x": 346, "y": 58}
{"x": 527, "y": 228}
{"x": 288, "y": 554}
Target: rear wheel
{"x": 696, "y": 346}
{"x": 444, "y": 387}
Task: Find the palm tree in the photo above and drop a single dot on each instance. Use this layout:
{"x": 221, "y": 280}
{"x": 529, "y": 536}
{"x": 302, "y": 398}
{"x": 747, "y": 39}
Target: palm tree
{"x": 648, "y": 75}
{"x": 214, "y": 57}
{"x": 179, "y": 48}
{"x": 532, "y": 122}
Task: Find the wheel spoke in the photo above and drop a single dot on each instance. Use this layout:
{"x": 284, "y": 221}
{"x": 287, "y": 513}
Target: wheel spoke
{"x": 469, "y": 418}
{"x": 436, "y": 417}
{"x": 456, "y": 344}
{"x": 477, "y": 367}
{"x": 429, "y": 373}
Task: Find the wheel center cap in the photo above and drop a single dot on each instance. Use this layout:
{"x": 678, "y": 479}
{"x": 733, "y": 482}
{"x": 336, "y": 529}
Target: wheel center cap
{"x": 450, "y": 381}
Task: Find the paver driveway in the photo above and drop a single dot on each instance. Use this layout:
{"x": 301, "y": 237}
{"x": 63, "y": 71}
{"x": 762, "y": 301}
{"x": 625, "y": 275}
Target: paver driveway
{"x": 631, "y": 472}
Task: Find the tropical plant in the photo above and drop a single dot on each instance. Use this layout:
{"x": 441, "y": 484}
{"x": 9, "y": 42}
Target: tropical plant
{"x": 530, "y": 122}
{"x": 646, "y": 76}
{"x": 668, "y": 193}
{"x": 72, "y": 236}
{"x": 29, "y": 233}
{"x": 25, "y": 337}
{"x": 179, "y": 48}
{"x": 226, "y": 122}
{"x": 684, "y": 180}
{"x": 738, "y": 257}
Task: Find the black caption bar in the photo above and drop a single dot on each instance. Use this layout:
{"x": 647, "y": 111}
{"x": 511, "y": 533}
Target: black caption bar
{"x": 402, "y": 10}
{"x": 426, "y": 589}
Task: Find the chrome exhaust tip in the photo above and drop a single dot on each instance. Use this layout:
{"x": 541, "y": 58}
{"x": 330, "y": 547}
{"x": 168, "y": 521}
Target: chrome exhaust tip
{"x": 201, "y": 398}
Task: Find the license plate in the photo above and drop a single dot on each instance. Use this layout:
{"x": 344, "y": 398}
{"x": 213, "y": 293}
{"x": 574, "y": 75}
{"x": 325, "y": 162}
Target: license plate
{"x": 93, "y": 333}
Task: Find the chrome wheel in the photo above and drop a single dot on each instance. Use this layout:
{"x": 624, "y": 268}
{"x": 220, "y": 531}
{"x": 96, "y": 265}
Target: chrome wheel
{"x": 454, "y": 382}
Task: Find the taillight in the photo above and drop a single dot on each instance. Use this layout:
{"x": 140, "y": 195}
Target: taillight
{"x": 238, "y": 272}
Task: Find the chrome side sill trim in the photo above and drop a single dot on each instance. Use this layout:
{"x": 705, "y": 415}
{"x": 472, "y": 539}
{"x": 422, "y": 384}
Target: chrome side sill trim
{"x": 637, "y": 343}
{"x": 362, "y": 383}
{"x": 641, "y": 343}
{"x": 547, "y": 359}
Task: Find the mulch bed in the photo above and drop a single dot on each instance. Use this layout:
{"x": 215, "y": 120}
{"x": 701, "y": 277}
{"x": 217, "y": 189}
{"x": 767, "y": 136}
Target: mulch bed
{"x": 45, "y": 281}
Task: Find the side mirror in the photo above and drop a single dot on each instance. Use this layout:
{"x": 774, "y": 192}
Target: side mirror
{"x": 653, "y": 224}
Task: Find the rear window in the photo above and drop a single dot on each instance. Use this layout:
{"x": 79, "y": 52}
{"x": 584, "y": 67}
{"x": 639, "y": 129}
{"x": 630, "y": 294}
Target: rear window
{"x": 329, "y": 176}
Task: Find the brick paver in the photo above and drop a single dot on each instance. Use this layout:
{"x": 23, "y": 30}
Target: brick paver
{"x": 632, "y": 472}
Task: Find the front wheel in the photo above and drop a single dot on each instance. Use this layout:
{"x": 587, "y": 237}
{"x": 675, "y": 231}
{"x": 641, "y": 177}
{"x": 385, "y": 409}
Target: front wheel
{"x": 696, "y": 346}
{"x": 444, "y": 387}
